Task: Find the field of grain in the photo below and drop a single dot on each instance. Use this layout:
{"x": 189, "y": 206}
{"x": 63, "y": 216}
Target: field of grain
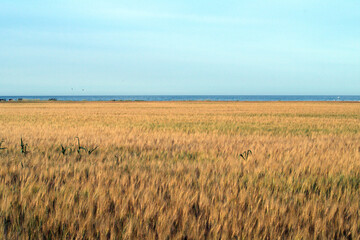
{"x": 173, "y": 170}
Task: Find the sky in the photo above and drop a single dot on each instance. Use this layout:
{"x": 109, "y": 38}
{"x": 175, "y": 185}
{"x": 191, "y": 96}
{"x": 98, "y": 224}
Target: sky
{"x": 257, "y": 47}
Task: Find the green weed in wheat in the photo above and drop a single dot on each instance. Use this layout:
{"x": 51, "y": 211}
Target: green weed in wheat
{"x": 88, "y": 151}
{"x": 23, "y": 147}
{"x": 2, "y": 148}
{"x": 245, "y": 154}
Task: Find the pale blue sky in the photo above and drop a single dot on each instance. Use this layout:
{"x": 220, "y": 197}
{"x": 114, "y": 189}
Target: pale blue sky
{"x": 179, "y": 47}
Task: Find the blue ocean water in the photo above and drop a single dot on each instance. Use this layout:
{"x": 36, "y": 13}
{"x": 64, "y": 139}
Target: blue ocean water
{"x": 193, "y": 98}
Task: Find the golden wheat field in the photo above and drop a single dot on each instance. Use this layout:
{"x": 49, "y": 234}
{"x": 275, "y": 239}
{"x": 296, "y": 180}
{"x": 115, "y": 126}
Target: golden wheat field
{"x": 173, "y": 170}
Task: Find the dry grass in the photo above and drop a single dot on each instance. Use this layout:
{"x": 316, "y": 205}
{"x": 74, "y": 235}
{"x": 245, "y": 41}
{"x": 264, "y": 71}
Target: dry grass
{"x": 172, "y": 170}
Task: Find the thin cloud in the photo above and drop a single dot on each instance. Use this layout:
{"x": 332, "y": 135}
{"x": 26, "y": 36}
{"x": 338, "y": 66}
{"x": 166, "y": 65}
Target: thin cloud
{"x": 123, "y": 13}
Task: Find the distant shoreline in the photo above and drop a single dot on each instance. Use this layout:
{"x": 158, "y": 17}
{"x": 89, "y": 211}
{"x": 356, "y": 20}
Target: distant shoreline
{"x": 186, "y": 98}
{"x": 170, "y": 101}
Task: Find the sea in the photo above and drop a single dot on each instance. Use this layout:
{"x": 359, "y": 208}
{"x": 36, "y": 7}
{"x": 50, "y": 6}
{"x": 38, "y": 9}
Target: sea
{"x": 354, "y": 98}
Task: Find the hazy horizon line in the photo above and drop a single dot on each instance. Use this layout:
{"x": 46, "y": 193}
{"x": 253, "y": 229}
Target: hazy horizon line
{"x": 64, "y": 95}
